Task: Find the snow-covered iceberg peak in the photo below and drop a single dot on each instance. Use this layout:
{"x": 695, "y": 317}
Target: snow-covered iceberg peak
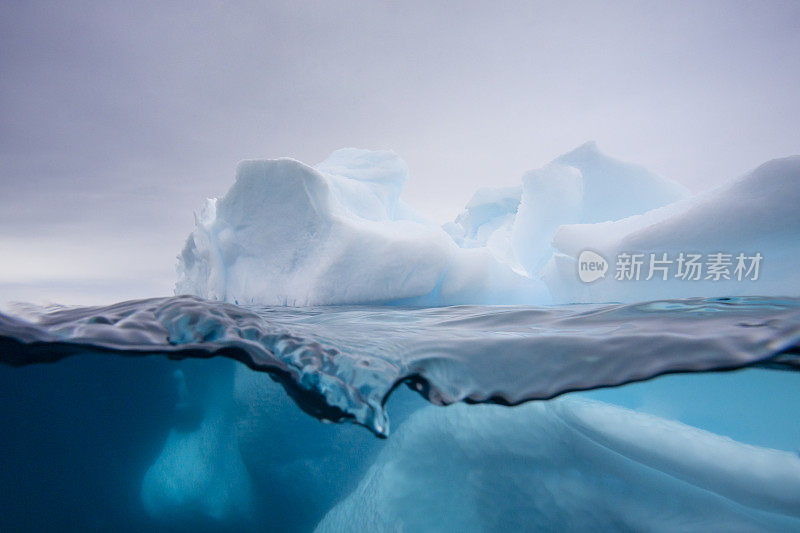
{"x": 517, "y": 224}
{"x": 614, "y": 189}
{"x": 290, "y": 234}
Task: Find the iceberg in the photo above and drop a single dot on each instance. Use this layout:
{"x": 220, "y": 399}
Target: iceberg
{"x": 268, "y": 277}
{"x": 614, "y": 189}
{"x": 200, "y": 470}
{"x": 252, "y": 455}
{"x": 338, "y": 233}
{"x": 488, "y": 222}
{"x": 582, "y": 186}
{"x": 290, "y": 234}
{"x": 753, "y": 220}
{"x": 517, "y": 224}
{"x": 471, "y": 468}
{"x": 569, "y": 464}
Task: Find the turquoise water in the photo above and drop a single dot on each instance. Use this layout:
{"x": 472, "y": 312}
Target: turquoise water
{"x": 106, "y": 433}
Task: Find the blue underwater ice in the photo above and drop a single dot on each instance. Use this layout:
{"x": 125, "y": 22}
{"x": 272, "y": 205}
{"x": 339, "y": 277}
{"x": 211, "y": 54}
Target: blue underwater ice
{"x": 115, "y": 436}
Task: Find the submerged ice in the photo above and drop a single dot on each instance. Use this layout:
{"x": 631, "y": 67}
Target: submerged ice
{"x": 572, "y": 465}
{"x": 565, "y": 464}
{"x": 242, "y": 455}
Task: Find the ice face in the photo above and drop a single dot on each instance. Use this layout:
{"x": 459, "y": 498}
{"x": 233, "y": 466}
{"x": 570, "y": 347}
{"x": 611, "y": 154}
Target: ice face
{"x": 287, "y": 233}
{"x": 552, "y": 196}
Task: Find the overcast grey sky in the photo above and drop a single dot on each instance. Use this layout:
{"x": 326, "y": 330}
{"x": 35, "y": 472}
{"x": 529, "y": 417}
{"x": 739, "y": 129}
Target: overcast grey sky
{"x": 118, "y": 118}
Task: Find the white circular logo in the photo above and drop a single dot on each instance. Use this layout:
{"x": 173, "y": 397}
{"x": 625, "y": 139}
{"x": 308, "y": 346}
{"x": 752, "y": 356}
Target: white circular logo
{"x": 591, "y": 266}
